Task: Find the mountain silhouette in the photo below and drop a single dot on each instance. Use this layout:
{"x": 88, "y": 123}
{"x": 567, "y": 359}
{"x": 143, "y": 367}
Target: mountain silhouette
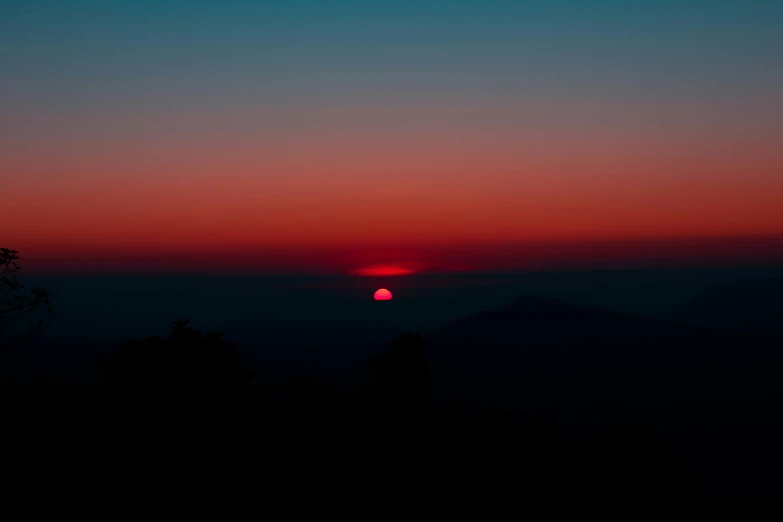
{"x": 589, "y": 362}
{"x": 748, "y": 305}
{"x": 712, "y": 393}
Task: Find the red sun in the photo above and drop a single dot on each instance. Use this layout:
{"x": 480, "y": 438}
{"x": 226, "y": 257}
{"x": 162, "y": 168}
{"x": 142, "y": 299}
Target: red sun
{"x": 382, "y": 295}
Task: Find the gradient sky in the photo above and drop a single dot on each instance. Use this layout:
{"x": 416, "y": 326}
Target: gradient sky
{"x": 343, "y": 135}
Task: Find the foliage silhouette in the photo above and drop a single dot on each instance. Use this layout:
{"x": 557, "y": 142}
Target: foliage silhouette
{"x": 186, "y": 362}
{"x": 17, "y": 304}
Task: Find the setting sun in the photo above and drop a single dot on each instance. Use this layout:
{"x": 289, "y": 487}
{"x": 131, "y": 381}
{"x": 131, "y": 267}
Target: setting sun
{"x": 382, "y": 295}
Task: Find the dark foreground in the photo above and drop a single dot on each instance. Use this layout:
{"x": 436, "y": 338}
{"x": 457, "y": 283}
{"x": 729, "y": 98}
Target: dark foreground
{"x": 537, "y": 408}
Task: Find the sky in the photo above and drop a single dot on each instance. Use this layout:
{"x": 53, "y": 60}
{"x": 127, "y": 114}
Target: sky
{"x": 389, "y": 137}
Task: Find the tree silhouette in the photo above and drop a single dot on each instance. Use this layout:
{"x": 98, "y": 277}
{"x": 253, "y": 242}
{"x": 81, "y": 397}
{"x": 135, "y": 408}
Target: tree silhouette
{"x": 17, "y": 304}
{"x": 186, "y": 362}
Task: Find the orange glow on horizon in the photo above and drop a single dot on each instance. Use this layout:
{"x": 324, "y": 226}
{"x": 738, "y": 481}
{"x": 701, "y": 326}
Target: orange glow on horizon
{"x": 438, "y": 197}
{"x": 382, "y": 260}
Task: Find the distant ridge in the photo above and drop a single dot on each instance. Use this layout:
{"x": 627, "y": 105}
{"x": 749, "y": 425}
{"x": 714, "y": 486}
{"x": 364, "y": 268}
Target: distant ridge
{"x": 591, "y": 363}
{"x": 748, "y": 305}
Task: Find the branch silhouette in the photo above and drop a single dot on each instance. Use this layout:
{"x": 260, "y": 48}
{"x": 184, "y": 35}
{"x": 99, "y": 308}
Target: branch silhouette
{"x": 16, "y": 303}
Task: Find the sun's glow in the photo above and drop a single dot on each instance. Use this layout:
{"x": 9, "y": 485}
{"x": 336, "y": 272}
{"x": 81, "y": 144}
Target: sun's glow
{"x": 400, "y": 269}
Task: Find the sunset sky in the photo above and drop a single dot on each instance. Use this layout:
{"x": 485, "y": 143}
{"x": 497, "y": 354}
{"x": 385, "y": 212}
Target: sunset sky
{"x": 408, "y": 135}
